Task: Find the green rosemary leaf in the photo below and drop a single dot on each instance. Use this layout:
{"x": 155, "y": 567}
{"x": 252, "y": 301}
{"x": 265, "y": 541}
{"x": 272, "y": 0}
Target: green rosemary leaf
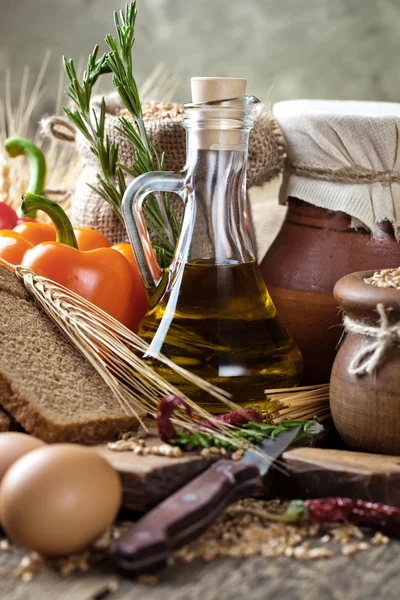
{"x": 107, "y": 191}
{"x": 128, "y": 170}
{"x": 76, "y": 118}
{"x": 121, "y": 181}
{"x": 161, "y": 239}
{"x": 119, "y": 59}
{"x": 142, "y": 154}
{"x": 252, "y": 432}
{"x": 163, "y": 256}
{"x": 176, "y": 224}
{"x": 99, "y": 120}
{"x": 168, "y": 255}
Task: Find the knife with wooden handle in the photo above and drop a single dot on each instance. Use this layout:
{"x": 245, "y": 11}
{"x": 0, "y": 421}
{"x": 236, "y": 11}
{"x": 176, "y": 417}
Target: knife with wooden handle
{"x": 145, "y": 547}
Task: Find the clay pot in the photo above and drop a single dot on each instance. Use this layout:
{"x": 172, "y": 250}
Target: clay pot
{"x": 314, "y": 248}
{"x": 366, "y": 407}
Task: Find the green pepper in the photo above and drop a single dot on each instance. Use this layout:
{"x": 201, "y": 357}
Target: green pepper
{"x": 37, "y": 164}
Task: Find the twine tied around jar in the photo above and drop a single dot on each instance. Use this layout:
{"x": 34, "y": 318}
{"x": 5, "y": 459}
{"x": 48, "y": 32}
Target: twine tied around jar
{"x": 353, "y": 174}
{"x": 385, "y": 335}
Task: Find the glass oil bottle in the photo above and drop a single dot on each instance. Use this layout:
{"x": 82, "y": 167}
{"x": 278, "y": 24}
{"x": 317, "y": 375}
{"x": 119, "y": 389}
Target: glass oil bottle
{"x": 210, "y": 311}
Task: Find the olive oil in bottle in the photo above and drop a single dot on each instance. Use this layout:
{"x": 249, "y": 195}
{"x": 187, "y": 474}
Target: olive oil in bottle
{"x": 221, "y": 324}
{"x": 211, "y": 312}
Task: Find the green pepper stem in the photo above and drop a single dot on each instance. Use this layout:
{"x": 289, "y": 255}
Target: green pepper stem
{"x": 37, "y": 163}
{"x": 64, "y": 232}
{"x": 296, "y": 512}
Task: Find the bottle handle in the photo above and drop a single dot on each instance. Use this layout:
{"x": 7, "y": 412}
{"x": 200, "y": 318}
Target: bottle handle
{"x": 132, "y": 210}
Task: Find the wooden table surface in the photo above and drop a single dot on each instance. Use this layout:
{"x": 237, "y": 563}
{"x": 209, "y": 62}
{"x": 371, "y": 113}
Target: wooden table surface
{"x": 374, "y": 574}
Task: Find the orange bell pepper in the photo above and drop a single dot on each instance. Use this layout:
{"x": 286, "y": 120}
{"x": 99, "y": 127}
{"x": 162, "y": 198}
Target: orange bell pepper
{"x": 35, "y": 233}
{"x": 102, "y": 276}
{"x": 90, "y": 239}
{"x": 13, "y": 246}
{"x": 142, "y": 300}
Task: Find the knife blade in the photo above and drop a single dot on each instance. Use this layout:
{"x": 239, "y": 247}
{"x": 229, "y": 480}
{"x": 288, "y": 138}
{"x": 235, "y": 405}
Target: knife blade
{"x": 145, "y": 547}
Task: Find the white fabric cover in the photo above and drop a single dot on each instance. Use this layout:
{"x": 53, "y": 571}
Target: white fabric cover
{"x": 337, "y": 134}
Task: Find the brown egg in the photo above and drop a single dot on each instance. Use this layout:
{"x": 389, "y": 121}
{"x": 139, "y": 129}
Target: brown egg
{"x": 57, "y": 499}
{"x": 13, "y": 445}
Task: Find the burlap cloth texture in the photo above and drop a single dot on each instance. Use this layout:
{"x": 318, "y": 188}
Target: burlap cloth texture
{"x": 344, "y": 156}
{"x": 88, "y": 209}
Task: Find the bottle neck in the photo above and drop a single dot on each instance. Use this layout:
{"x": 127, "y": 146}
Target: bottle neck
{"x": 216, "y": 177}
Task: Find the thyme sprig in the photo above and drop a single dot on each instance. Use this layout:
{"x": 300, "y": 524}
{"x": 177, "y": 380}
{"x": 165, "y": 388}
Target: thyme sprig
{"x": 111, "y": 183}
{"x": 253, "y": 433}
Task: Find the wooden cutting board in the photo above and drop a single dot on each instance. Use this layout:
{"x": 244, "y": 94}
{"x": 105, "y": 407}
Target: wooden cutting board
{"x": 147, "y": 480}
{"x": 310, "y": 473}
{"x": 321, "y": 472}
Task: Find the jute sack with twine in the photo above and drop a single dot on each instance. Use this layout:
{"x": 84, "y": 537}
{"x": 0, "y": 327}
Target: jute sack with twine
{"x": 165, "y": 131}
{"x": 382, "y": 336}
{"x": 343, "y": 156}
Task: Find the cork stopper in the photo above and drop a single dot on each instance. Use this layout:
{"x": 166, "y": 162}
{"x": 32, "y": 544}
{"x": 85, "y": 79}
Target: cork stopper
{"x": 209, "y": 89}
{"x": 218, "y": 127}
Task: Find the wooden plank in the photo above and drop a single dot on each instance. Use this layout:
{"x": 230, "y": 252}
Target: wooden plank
{"x": 314, "y": 472}
{"x": 317, "y": 472}
{"x": 368, "y": 575}
{"x": 147, "y": 480}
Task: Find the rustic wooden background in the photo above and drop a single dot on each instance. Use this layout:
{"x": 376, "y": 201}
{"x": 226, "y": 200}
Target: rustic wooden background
{"x": 314, "y": 48}
{"x": 372, "y": 575}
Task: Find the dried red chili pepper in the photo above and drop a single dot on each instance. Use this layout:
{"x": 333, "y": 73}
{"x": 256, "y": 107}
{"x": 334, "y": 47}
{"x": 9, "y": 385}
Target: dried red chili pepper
{"x": 237, "y": 417}
{"x": 165, "y": 410}
{"x": 166, "y": 407}
{"x": 331, "y": 510}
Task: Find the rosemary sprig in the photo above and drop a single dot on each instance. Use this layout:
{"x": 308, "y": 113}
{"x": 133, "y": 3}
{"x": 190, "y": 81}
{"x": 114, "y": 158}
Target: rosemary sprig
{"x": 81, "y": 94}
{"x": 119, "y": 60}
{"x": 145, "y": 157}
{"x": 111, "y": 182}
{"x": 254, "y": 433}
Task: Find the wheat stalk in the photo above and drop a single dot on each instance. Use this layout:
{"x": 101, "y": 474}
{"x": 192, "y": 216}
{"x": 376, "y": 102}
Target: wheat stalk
{"x": 113, "y": 350}
{"x": 15, "y": 121}
{"x": 160, "y": 85}
{"x": 297, "y": 403}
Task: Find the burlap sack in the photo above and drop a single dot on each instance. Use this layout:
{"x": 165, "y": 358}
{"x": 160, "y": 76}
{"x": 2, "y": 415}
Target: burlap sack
{"x": 165, "y": 131}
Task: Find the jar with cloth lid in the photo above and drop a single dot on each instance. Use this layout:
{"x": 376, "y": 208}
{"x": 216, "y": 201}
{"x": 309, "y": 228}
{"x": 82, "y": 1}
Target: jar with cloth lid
{"x": 342, "y": 186}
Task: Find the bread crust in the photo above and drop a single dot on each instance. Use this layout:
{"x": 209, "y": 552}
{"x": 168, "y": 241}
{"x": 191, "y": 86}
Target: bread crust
{"x": 46, "y": 384}
{"x": 35, "y": 422}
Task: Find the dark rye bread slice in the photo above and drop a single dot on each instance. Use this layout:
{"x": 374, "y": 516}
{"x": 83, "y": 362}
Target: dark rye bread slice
{"x": 46, "y": 384}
